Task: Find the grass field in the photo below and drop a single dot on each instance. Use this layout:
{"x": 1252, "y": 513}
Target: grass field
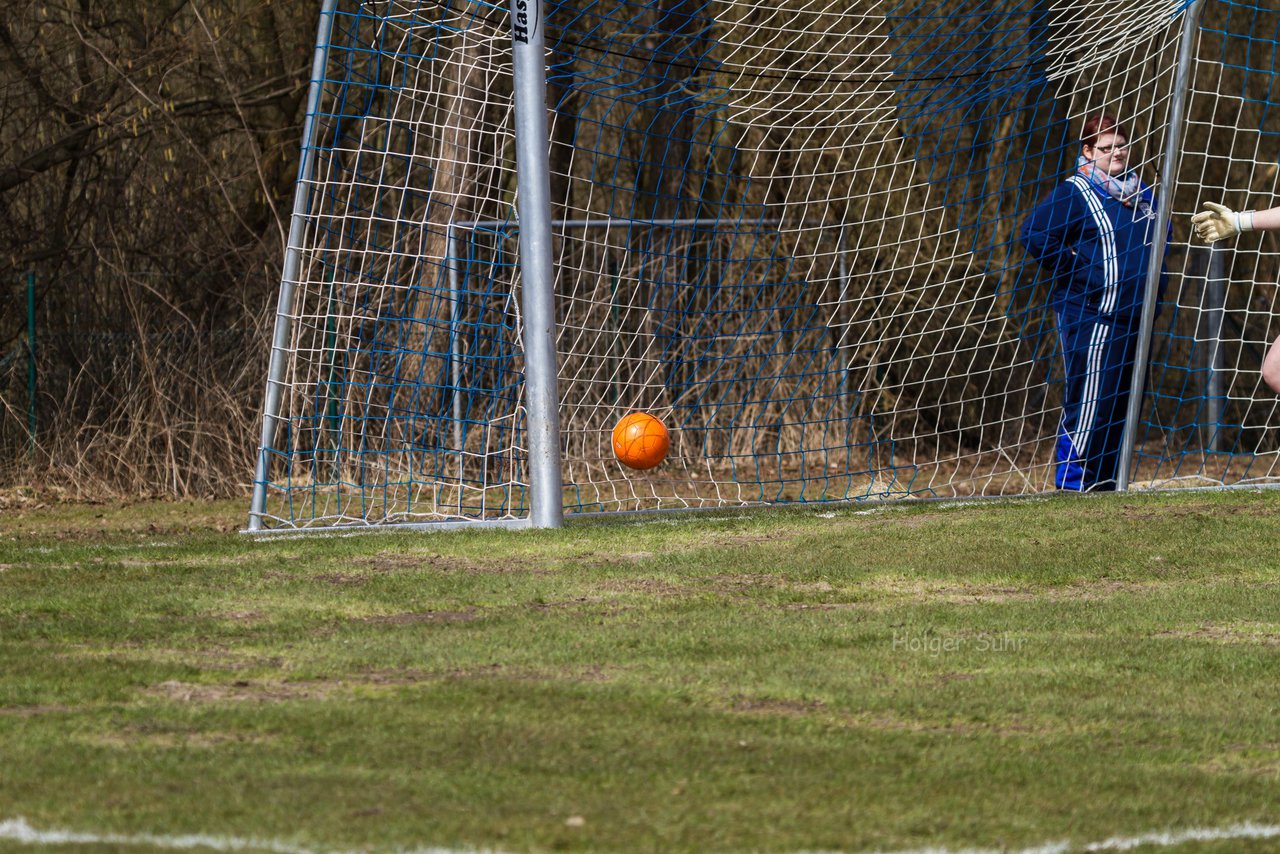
{"x": 943, "y": 676}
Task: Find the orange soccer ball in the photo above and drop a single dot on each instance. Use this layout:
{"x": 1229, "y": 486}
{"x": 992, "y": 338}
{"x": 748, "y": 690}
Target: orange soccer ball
{"x": 640, "y": 441}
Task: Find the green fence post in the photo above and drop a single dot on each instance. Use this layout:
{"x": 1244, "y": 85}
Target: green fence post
{"x": 31, "y": 360}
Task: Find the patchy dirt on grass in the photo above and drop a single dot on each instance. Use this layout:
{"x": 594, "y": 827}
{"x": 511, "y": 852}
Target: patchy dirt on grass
{"x": 242, "y": 691}
{"x": 1201, "y": 510}
{"x": 878, "y": 593}
{"x": 416, "y": 617}
{"x": 34, "y": 710}
{"x": 407, "y": 562}
{"x": 267, "y": 691}
{"x": 1250, "y": 760}
{"x": 132, "y": 738}
{"x": 915, "y": 590}
{"x": 240, "y": 616}
{"x": 558, "y": 604}
{"x": 654, "y": 587}
{"x": 611, "y": 559}
{"x": 76, "y": 519}
{"x": 739, "y": 580}
{"x": 775, "y": 706}
{"x": 1263, "y": 634}
{"x": 888, "y": 722}
{"x": 212, "y": 657}
{"x": 880, "y": 721}
{"x": 340, "y": 578}
{"x": 748, "y": 538}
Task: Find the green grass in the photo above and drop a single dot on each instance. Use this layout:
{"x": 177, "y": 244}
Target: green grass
{"x": 999, "y": 674}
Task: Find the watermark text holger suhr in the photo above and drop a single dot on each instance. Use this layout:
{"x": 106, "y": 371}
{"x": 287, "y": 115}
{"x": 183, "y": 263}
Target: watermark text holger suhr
{"x": 931, "y": 644}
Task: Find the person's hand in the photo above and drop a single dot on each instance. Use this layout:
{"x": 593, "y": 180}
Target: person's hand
{"x": 1219, "y": 222}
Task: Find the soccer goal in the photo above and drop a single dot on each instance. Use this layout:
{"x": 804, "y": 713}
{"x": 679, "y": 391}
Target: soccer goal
{"x": 788, "y": 230}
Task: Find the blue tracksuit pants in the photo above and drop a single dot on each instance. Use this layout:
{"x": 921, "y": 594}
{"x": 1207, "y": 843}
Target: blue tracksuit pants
{"x": 1098, "y": 354}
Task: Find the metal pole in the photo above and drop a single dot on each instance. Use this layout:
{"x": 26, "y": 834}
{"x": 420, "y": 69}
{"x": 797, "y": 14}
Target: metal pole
{"x": 618, "y": 221}
{"x": 31, "y": 361}
{"x": 1168, "y": 179}
{"x": 616, "y": 351}
{"x": 292, "y": 261}
{"x": 843, "y": 352}
{"x": 533, "y": 184}
{"x": 455, "y": 357}
{"x": 1215, "y": 297}
{"x": 332, "y": 430}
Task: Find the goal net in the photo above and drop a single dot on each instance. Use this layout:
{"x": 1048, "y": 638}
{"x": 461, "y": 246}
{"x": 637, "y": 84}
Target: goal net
{"x": 788, "y": 230}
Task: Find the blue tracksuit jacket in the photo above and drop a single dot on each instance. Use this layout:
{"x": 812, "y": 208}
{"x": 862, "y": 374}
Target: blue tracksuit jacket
{"x": 1096, "y": 249}
{"x": 1098, "y": 252}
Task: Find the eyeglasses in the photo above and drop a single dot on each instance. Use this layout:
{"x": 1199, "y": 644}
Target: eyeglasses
{"x": 1106, "y": 149}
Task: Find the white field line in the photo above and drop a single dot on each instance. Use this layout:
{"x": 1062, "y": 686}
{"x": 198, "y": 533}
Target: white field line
{"x": 1162, "y": 839}
{"x": 18, "y": 830}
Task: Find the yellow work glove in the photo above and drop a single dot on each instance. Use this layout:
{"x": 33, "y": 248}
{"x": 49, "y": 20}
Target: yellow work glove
{"x": 1219, "y": 222}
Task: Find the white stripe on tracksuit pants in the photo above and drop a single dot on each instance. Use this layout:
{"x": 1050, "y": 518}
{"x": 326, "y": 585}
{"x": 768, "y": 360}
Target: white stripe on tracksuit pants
{"x": 1097, "y": 353}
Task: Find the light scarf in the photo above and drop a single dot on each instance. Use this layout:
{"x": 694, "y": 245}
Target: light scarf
{"x": 1127, "y": 189}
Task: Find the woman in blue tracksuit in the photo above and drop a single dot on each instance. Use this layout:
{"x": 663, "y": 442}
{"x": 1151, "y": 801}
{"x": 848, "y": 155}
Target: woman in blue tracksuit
{"x": 1093, "y": 235}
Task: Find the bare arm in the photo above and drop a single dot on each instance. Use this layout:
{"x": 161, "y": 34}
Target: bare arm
{"x": 1267, "y": 220}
